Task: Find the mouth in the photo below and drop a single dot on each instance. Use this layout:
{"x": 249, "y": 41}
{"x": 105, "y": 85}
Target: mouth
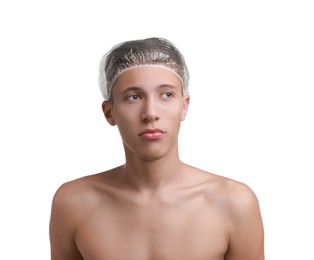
{"x": 152, "y": 134}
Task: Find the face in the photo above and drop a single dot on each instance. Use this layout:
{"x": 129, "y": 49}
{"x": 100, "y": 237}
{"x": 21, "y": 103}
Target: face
{"x": 147, "y": 106}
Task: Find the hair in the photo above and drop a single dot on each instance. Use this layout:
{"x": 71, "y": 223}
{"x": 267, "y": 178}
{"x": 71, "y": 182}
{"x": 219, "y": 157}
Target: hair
{"x": 141, "y": 53}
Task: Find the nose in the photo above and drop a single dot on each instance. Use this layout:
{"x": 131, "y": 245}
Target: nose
{"x": 150, "y": 111}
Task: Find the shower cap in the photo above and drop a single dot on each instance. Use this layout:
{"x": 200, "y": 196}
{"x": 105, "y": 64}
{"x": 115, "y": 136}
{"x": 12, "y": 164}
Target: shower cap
{"x": 157, "y": 52}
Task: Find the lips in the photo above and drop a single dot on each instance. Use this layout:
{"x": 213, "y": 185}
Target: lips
{"x": 152, "y": 134}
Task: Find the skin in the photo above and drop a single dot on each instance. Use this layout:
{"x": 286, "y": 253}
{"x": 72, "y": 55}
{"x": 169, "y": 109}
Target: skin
{"x": 154, "y": 207}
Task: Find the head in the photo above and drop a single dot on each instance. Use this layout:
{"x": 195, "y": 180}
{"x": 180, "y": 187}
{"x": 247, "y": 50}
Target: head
{"x": 144, "y": 84}
{"x": 155, "y": 52}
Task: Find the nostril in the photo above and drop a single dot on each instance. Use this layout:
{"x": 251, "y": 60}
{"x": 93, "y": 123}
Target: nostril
{"x": 150, "y": 117}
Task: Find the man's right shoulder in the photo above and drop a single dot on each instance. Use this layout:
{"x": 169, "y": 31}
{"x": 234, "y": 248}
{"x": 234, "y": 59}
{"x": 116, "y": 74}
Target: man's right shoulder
{"x": 80, "y": 191}
{"x": 69, "y": 195}
{"x": 72, "y": 202}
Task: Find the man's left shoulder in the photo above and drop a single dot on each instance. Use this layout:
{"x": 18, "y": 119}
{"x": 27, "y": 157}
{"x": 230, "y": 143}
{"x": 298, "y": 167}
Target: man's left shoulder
{"x": 234, "y": 194}
{"x": 238, "y": 198}
{"x": 228, "y": 190}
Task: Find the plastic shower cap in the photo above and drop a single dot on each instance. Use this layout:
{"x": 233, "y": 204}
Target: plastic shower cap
{"x": 141, "y": 53}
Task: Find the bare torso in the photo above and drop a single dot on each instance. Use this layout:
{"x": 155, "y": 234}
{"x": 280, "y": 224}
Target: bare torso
{"x": 107, "y": 221}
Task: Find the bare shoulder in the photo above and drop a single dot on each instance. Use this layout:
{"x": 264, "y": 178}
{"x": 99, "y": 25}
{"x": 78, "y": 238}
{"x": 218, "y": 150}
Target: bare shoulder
{"x": 70, "y": 200}
{"x": 74, "y": 199}
{"x": 236, "y": 203}
{"x": 233, "y": 195}
{"x": 72, "y": 192}
{"x": 72, "y": 204}
{"x": 81, "y": 191}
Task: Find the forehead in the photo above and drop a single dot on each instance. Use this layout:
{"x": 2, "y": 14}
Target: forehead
{"x": 146, "y": 77}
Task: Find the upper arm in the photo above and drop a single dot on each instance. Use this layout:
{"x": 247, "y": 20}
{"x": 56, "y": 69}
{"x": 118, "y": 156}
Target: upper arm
{"x": 63, "y": 222}
{"x": 246, "y": 237}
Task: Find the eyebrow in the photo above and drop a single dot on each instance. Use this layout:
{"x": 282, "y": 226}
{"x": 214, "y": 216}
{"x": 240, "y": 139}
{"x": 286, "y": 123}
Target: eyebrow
{"x": 135, "y": 88}
{"x": 173, "y": 87}
{"x": 132, "y": 88}
{"x": 167, "y": 86}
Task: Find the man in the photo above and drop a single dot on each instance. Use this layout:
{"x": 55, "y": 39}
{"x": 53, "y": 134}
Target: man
{"x": 154, "y": 206}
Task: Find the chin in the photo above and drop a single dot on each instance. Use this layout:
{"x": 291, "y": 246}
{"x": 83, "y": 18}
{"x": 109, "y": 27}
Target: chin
{"x": 150, "y": 151}
{"x": 151, "y": 158}
{"x": 152, "y": 155}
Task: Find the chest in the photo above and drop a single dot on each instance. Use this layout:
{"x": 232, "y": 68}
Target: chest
{"x": 153, "y": 232}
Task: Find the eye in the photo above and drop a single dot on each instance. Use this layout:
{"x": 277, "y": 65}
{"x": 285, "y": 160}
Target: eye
{"x": 133, "y": 97}
{"x": 167, "y": 94}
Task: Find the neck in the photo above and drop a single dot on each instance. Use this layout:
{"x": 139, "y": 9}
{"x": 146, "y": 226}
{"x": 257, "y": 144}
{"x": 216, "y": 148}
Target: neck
{"x": 152, "y": 175}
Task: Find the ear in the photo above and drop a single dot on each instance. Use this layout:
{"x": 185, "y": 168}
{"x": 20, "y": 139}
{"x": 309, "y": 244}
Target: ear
{"x": 107, "y": 109}
{"x": 186, "y": 102}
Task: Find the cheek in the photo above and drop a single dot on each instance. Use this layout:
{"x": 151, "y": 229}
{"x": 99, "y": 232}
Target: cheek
{"x": 174, "y": 111}
{"x": 125, "y": 121}
{"x": 124, "y": 124}
{"x": 121, "y": 115}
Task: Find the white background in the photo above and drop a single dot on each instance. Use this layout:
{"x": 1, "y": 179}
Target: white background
{"x": 250, "y": 118}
